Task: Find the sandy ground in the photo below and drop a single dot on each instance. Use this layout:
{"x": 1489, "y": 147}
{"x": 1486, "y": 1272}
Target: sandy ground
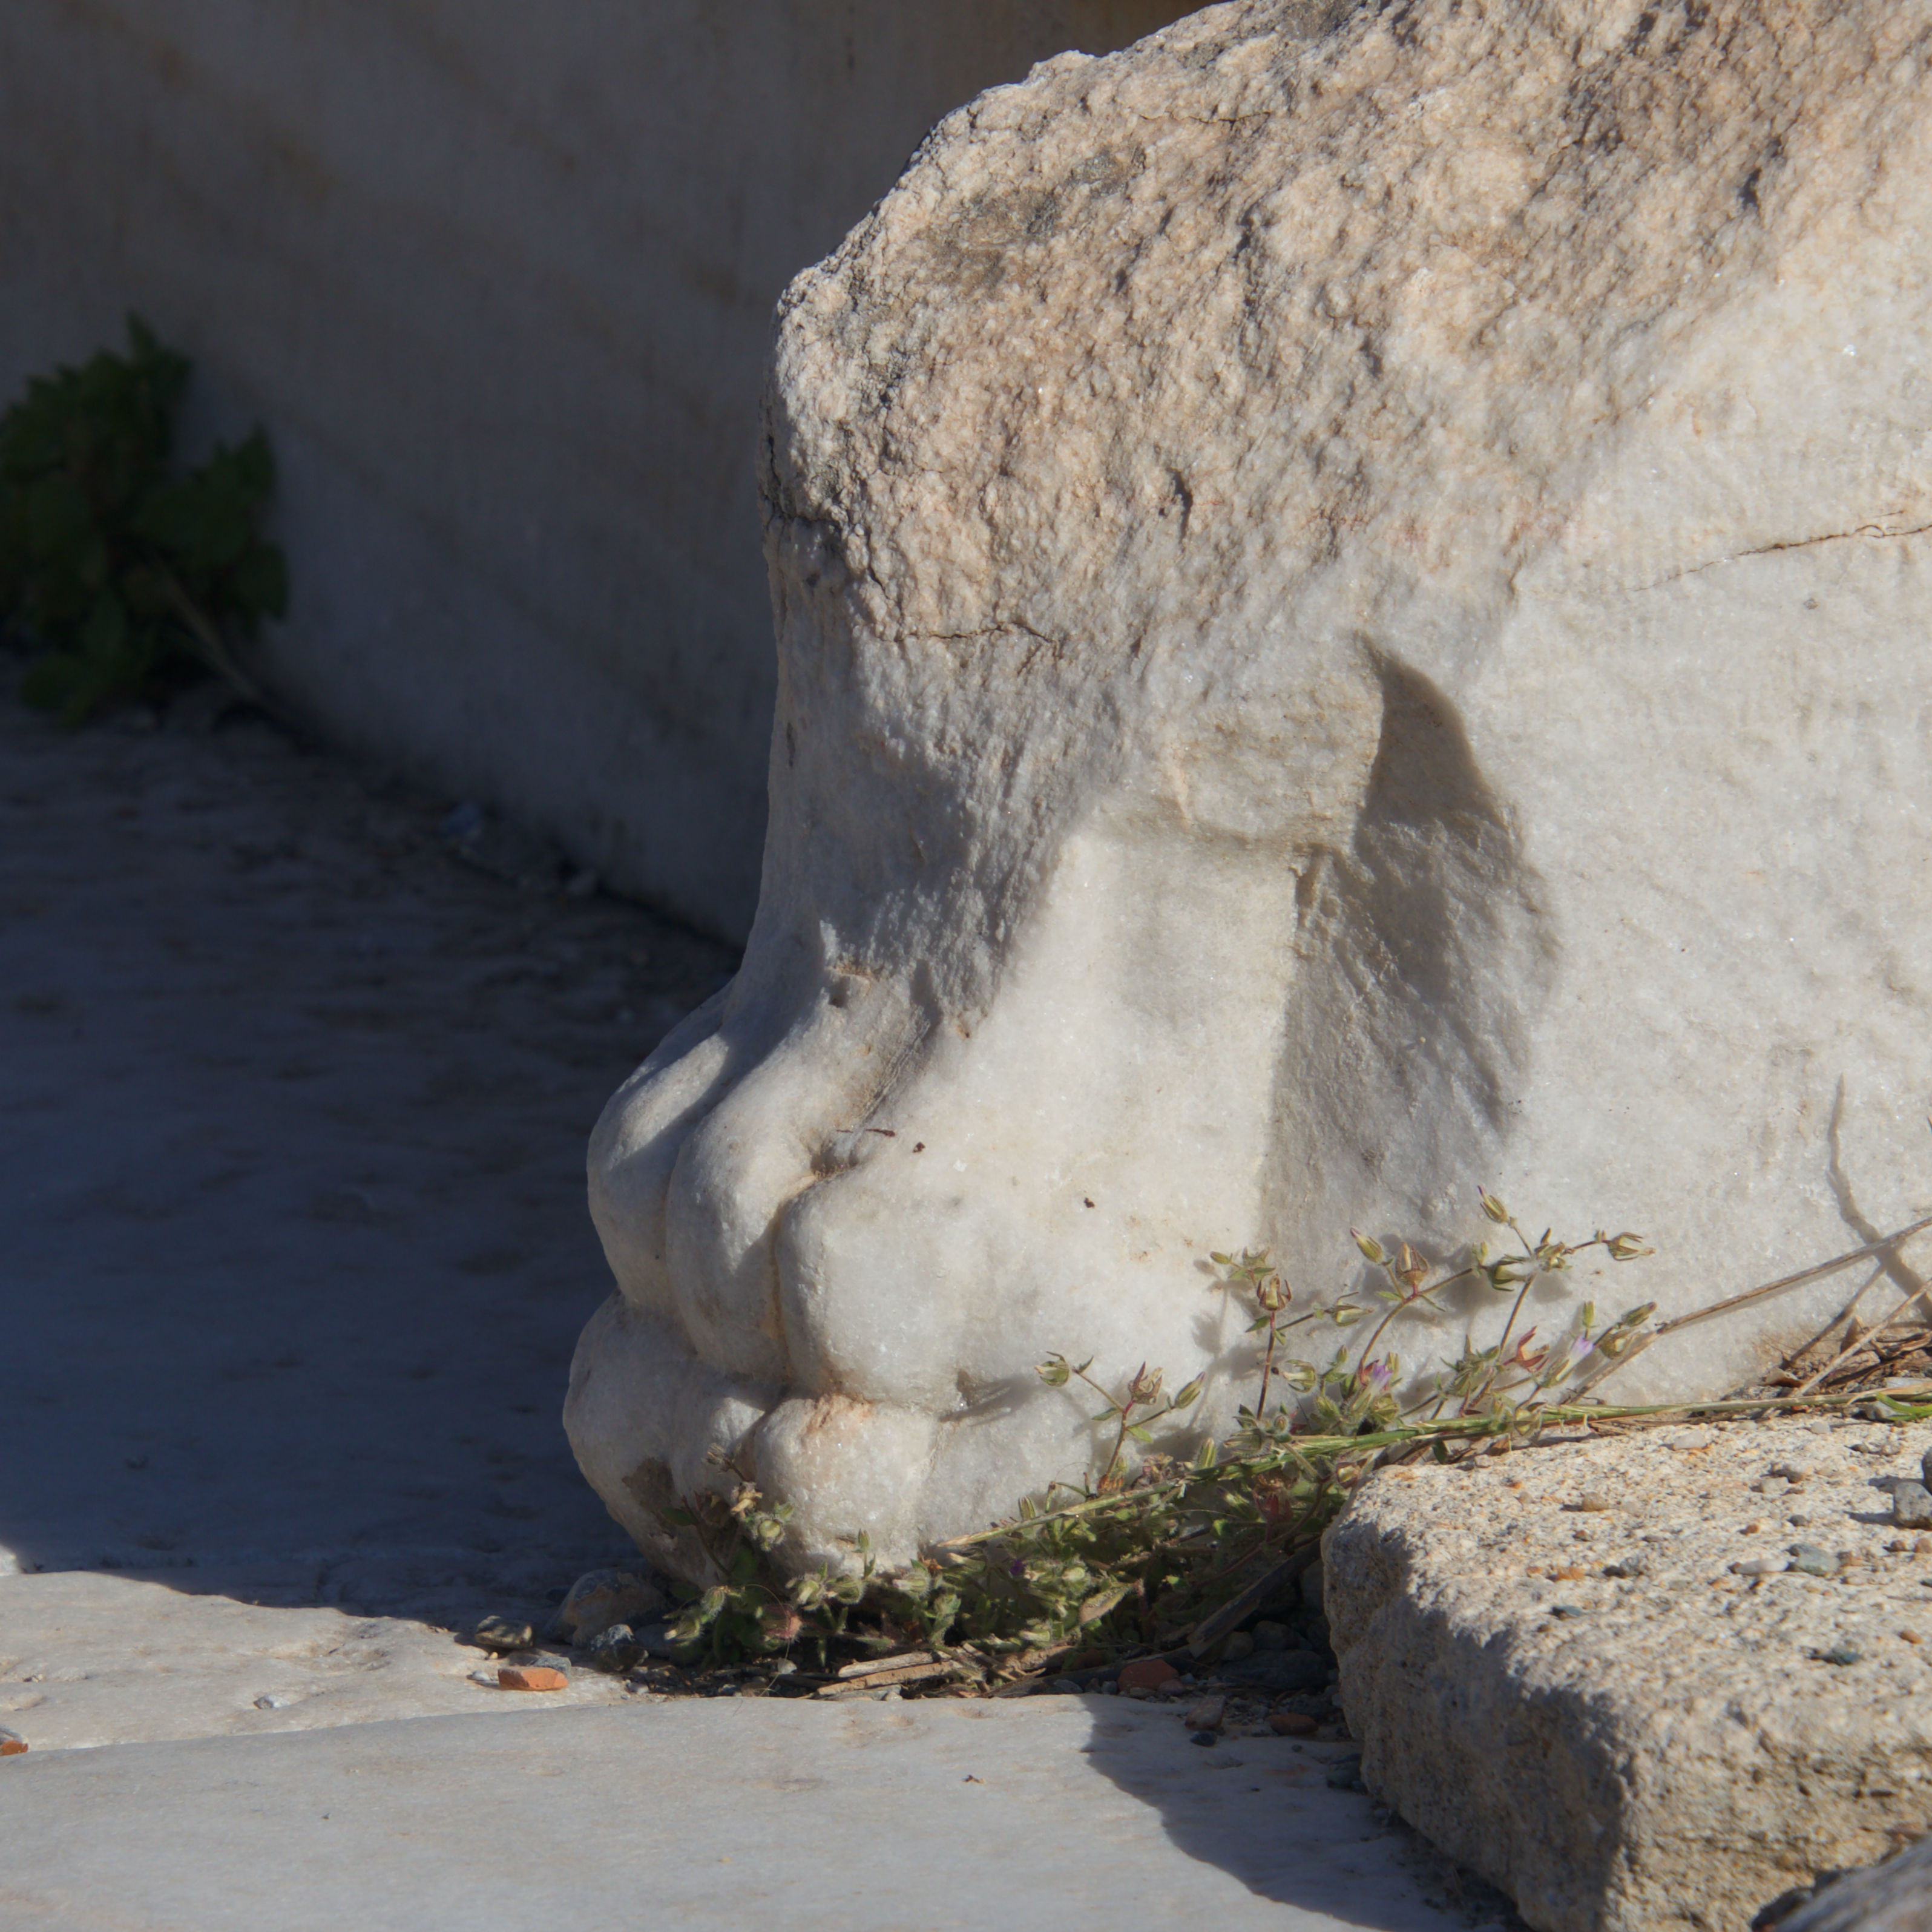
{"x": 293, "y": 1253}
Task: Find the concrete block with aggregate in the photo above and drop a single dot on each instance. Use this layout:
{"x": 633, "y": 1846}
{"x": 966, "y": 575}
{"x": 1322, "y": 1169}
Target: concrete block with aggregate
{"x": 1650, "y": 1679}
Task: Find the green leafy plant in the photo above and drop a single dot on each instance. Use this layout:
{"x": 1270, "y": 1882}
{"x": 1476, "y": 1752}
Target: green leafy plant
{"x": 121, "y": 576}
{"x": 1364, "y": 1392}
{"x": 1134, "y": 1412}
{"x": 1154, "y": 1543}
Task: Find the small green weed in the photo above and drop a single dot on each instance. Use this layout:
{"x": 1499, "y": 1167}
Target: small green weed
{"x": 1154, "y": 1545}
{"x": 120, "y": 576}
{"x": 1164, "y": 1551}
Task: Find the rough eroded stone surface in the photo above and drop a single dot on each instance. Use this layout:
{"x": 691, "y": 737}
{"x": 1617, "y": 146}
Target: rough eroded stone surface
{"x": 1608, "y": 1713}
{"x": 1351, "y": 612}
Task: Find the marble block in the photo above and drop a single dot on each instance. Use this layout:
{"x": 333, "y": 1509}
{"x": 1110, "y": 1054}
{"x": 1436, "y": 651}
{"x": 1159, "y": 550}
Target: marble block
{"x": 1351, "y": 602}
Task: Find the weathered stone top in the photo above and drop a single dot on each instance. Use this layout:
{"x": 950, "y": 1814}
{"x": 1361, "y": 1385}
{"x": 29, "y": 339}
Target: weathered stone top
{"x": 1631, "y": 1677}
{"x": 1307, "y": 338}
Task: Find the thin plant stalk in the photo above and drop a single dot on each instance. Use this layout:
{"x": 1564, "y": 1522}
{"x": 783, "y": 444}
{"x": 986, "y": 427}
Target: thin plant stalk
{"x": 1915, "y": 1300}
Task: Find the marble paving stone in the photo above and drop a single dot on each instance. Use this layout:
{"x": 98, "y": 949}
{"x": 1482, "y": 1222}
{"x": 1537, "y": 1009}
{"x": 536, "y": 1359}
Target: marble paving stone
{"x": 1065, "y": 1812}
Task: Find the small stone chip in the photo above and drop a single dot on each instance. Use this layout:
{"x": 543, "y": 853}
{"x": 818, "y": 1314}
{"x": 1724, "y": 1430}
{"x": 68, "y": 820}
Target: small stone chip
{"x": 1206, "y": 1713}
{"x": 11, "y": 1744}
{"x": 1812, "y": 1561}
{"x": 601, "y": 1598}
{"x": 1761, "y": 1566}
{"x": 1839, "y": 1654}
{"x": 615, "y": 1650}
{"x": 1594, "y": 1502}
{"x": 532, "y": 1677}
{"x": 1568, "y": 1610}
{"x": 502, "y": 1633}
{"x": 1912, "y": 1505}
{"x": 1291, "y": 1724}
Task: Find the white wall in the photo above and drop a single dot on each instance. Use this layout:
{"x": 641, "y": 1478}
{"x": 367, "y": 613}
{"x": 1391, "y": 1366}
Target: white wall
{"x": 496, "y": 275}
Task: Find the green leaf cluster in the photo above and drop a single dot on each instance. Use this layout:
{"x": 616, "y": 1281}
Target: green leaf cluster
{"x": 121, "y": 575}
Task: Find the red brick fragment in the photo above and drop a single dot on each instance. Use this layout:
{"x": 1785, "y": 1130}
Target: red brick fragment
{"x": 532, "y": 1677}
{"x": 1291, "y": 1724}
{"x": 1147, "y": 1673}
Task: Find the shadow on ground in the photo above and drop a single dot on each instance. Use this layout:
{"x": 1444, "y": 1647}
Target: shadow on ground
{"x": 293, "y": 1105}
{"x": 1262, "y": 1810}
{"x": 292, "y": 1109}
{"x": 929, "y": 1817}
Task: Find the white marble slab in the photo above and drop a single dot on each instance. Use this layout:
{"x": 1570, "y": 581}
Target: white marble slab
{"x": 1049, "y": 1812}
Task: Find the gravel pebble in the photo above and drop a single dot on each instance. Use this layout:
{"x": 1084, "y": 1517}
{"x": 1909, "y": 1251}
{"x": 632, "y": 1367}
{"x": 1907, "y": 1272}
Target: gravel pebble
{"x": 1279, "y": 1671}
{"x": 601, "y": 1598}
{"x": 615, "y": 1650}
{"x": 1291, "y": 1724}
{"x": 655, "y": 1640}
{"x": 1206, "y": 1713}
{"x": 1912, "y": 1505}
{"x": 502, "y": 1633}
